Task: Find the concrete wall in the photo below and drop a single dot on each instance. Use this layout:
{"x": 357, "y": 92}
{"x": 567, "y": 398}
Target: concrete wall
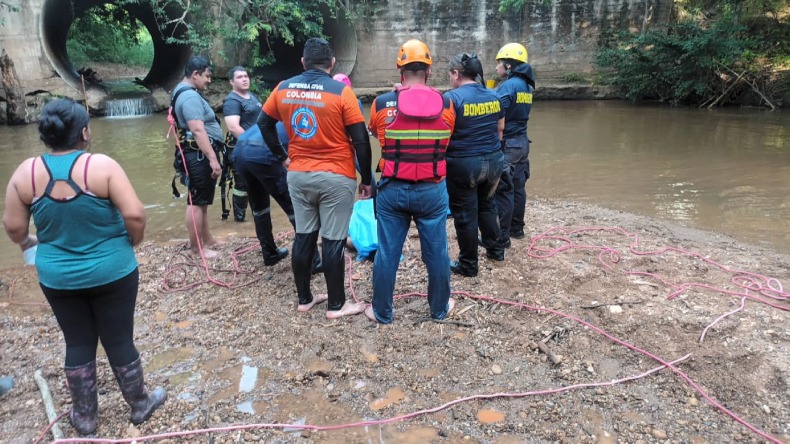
{"x": 560, "y": 35}
{"x": 19, "y": 36}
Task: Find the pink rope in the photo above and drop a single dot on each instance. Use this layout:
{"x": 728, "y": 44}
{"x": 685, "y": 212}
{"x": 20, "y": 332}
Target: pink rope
{"x": 769, "y": 288}
{"x": 702, "y": 336}
{"x": 298, "y": 427}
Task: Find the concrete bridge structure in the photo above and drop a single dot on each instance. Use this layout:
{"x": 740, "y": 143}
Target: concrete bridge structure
{"x": 561, "y": 36}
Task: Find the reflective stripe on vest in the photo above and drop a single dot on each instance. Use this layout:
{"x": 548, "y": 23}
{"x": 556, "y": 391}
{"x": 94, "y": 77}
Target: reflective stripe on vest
{"x": 416, "y": 134}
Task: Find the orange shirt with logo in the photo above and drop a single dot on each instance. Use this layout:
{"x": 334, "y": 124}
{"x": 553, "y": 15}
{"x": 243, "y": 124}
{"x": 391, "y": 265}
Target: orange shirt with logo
{"x": 315, "y": 110}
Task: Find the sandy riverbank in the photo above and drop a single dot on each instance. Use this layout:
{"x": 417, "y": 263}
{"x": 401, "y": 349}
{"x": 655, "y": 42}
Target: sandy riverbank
{"x": 203, "y": 345}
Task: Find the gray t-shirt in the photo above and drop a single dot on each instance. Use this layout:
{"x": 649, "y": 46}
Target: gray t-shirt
{"x": 192, "y": 106}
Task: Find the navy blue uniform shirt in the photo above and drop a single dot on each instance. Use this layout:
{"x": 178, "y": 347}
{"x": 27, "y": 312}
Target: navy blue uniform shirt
{"x": 515, "y": 94}
{"x": 477, "y": 113}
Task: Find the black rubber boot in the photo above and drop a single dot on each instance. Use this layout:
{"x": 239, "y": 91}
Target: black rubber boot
{"x": 239, "y": 205}
{"x": 84, "y": 397}
{"x": 334, "y": 272}
{"x": 130, "y": 379}
{"x": 494, "y": 249}
{"x": 302, "y": 262}
{"x": 279, "y": 254}
{"x": 457, "y": 268}
{"x": 497, "y": 254}
{"x": 263, "y": 230}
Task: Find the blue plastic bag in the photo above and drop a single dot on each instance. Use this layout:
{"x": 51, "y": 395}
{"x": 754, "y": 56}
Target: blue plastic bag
{"x": 363, "y": 229}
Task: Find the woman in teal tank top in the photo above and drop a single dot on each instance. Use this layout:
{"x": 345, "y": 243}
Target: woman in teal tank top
{"x": 88, "y": 219}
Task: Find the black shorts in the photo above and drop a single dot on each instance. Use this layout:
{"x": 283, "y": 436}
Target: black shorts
{"x": 198, "y": 179}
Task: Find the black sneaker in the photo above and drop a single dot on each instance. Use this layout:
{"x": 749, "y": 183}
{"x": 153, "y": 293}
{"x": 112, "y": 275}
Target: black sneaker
{"x": 457, "y": 268}
{"x": 518, "y": 234}
{"x": 281, "y": 254}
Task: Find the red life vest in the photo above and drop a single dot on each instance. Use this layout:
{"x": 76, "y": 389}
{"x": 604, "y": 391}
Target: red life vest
{"x": 416, "y": 141}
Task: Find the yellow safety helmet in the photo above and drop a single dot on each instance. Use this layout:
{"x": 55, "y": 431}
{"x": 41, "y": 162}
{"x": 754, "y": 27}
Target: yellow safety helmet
{"x": 414, "y": 51}
{"x": 513, "y": 51}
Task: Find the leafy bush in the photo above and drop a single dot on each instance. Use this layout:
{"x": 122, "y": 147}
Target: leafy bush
{"x": 574, "y": 77}
{"x": 109, "y": 34}
{"x": 715, "y": 51}
{"x": 682, "y": 64}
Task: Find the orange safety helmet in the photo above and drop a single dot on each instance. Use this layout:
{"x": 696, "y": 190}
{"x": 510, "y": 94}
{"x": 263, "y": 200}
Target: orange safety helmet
{"x": 414, "y": 51}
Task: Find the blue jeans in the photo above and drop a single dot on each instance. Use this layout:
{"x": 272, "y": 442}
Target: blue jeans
{"x": 471, "y": 183}
{"x": 511, "y": 194}
{"x": 397, "y": 203}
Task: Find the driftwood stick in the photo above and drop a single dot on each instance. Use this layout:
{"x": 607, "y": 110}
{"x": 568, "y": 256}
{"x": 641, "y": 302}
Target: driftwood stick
{"x": 753, "y": 85}
{"x": 613, "y": 303}
{"x": 757, "y": 90}
{"x": 84, "y": 93}
{"x": 443, "y": 321}
{"x": 49, "y": 406}
{"x": 546, "y": 351}
{"x": 726, "y": 91}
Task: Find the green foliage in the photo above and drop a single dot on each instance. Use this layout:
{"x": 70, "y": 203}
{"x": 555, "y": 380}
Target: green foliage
{"x": 677, "y": 65}
{"x": 511, "y": 6}
{"x": 251, "y": 24}
{"x": 574, "y": 77}
{"x": 262, "y": 21}
{"x": 109, "y": 34}
{"x": 713, "y": 52}
{"x": 258, "y": 88}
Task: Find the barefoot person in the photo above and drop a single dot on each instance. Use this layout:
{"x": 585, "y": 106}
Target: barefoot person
{"x": 88, "y": 217}
{"x": 413, "y": 124}
{"x": 200, "y": 136}
{"x": 326, "y": 130}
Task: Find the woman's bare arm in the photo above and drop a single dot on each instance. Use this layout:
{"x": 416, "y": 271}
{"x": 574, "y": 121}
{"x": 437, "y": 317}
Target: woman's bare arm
{"x": 16, "y": 218}
{"x": 122, "y": 195}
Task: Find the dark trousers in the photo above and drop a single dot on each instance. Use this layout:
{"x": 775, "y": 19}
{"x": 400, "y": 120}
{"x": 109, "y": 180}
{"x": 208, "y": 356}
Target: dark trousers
{"x": 266, "y": 181}
{"x": 511, "y": 194}
{"x": 103, "y": 313}
{"x": 471, "y": 184}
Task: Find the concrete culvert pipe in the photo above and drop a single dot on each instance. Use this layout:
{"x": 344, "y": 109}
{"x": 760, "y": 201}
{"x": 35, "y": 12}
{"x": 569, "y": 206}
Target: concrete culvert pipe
{"x": 342, "y": 36}
{"x": 57, "y": 17}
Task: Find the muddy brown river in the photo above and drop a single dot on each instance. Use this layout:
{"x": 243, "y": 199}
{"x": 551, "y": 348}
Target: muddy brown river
{"x": 726, "y": 170}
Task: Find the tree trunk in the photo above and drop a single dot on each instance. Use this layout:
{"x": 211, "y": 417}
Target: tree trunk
{"x": 16, "y": 109}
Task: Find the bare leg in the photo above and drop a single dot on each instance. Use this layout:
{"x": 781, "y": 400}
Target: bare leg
{"x": 206, "y": 237}
{"x": 195, "y": 219}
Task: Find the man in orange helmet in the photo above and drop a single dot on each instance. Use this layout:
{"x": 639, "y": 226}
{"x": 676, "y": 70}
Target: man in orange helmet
{"x": 413, "y": 124}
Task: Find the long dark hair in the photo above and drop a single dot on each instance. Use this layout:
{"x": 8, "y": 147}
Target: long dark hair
{"x": 61, "y": 123}
{"x": 468, "y": 66}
